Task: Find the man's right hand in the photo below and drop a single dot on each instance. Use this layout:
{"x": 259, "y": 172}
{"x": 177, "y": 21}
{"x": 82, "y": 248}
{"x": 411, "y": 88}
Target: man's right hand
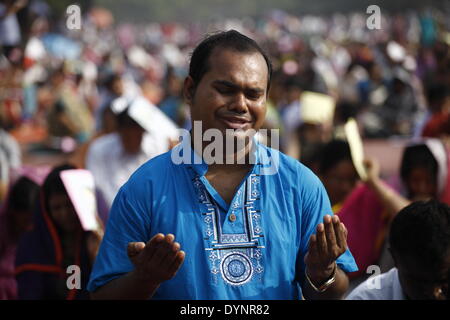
{"x": 158, "y": 260}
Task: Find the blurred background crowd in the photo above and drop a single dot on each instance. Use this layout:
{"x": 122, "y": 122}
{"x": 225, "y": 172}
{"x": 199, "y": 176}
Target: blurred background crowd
{"x": 60, "y": 93}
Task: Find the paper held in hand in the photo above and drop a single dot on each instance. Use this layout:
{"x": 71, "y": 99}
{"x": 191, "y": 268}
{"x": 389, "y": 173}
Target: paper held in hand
{"x": 79, "y": 184}
{"x": 316, "y": 108}
{"x": 147, "y": 115}
{"x": 356, "y": 147}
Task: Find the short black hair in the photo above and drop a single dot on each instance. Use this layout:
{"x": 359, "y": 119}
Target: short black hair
{"x": 332, "y": 153}
{"x": 421, "y": 231}
{"x": 124, "y": 120}
{"x": 232, "y": 39}
{"x": 110, "y": 80}
{"x": 418, "y": 156}
{"x": 437, "y": 92}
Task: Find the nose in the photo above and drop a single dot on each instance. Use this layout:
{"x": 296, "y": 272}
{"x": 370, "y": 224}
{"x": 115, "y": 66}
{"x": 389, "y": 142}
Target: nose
{"x": 239, "y": 104}
{"x": 422, "y": 188}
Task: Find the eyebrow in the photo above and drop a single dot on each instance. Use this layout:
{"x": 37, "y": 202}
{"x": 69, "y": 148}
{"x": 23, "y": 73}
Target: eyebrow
{"x": 237, "y": 87}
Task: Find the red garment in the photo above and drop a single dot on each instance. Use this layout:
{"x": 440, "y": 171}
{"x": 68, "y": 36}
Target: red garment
{"x": 366, "y": 220}
{"x": 437, "y": 125}
{"x": 363, "y": 216}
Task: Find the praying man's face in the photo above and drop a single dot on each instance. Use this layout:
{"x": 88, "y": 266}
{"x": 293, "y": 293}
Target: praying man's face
{"x": 232, "y": 94}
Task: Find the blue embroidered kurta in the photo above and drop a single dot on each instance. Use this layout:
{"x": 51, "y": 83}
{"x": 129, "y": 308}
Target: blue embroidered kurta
{"x": 253, "y": 248}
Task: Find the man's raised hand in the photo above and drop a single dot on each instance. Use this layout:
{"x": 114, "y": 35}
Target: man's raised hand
{"x": 158, "y": 260}
{"x": 329, "y": 242}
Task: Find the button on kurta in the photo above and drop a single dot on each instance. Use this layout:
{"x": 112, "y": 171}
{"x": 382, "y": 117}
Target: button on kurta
{"x": 232, "y": 217}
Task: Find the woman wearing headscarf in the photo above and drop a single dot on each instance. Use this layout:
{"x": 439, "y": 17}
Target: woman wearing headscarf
{"x": 46, "y": 256}
{"x": 15, "y": 220}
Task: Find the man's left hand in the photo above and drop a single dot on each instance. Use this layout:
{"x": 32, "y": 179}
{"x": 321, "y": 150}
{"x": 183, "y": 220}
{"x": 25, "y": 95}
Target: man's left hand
{"x": 329, "y": 242}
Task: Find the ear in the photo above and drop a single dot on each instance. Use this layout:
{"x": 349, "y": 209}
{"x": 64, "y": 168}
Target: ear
{"x": 188, "y": 90}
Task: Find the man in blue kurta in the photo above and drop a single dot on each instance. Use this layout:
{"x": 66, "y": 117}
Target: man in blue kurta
{"x": 247, "y": 229}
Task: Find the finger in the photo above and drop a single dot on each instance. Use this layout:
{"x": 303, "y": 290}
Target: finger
{"x": 163, "y": 249}
{"x": 179, "y": 259}
{"x": 167, "y": 243}
{"x": 312, "y": 249}
{"x": 321, "y": 240}
{"x": 171, "y": 248}
{"x": 152, "y": 245}
{"x": 169, "y": 239}
{"x": 171, "y": 255}
{"x": 345, "y": 234}
{"x": 134, "y": 248}
{"x": 344, "y": 230}
{"x": 329, "y": 232}
{"x": 312, "y": 243}
{"x": 339, "y": 232}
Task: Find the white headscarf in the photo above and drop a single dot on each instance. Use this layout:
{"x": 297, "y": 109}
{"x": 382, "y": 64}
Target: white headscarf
{"x": 439, "y": 153}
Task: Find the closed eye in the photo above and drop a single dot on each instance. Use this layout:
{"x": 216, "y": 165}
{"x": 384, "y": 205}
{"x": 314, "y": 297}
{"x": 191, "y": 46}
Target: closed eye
{"x": 225, "y": 90}
{"x": 254, "y": 94}
{"x": 229, "y": 88}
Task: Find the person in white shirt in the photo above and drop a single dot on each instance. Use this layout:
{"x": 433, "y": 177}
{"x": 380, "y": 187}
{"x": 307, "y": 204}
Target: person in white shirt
{"x": 385, "y": 286}
{"x": 419, "y": 242}
{"x": 10, "y": 158}
{"x": 112, "y": 158}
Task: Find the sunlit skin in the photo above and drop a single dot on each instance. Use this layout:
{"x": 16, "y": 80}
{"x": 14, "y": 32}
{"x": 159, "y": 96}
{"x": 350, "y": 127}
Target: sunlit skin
{"x": 339, "y": 181}
{"x": 232, "y": 94}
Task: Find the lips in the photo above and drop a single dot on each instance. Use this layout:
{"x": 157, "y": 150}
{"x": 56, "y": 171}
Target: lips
{"x": 234, "y": 122}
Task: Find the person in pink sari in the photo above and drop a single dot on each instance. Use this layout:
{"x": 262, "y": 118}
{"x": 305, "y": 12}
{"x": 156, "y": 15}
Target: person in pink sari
{"x": 370, "y": 207}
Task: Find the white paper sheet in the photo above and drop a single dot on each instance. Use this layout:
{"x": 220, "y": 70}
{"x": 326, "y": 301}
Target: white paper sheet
{"x": 79, "y": 184}
{"x": 316, "y": 107}
{"x": 356, "y": 147}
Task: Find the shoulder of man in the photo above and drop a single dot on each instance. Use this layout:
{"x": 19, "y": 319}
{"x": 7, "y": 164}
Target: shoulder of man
{"x": 288, "y": 166}
{"x": 154, "y": 169}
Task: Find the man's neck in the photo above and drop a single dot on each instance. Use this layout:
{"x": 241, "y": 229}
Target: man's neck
{"x": 216, "y": 168}
{"x": 236, "y": 161}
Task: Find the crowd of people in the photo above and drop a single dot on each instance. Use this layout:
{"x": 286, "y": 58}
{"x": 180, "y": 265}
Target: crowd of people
{"x": 109, "y": 97}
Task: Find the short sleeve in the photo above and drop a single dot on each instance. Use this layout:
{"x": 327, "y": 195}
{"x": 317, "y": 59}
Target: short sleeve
{"x": 129, "y": 221}
{"x": 315, "y": 205}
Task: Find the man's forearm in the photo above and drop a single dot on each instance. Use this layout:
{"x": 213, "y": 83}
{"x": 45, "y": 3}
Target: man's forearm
{"x": 127, "y": 287}
{"x": 334, "y": 291}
